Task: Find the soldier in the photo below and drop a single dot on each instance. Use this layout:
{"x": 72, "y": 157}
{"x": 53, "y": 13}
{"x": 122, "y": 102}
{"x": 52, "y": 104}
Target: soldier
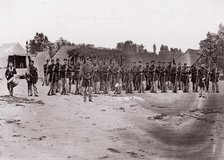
{"x": 207, "y": 79}
{"x": 163, "y": 77}
{"x": 129, "y": 79}
{"x": 69, "y": 75}
{"x": 9, "y": 74}
{"x": 96, "y": 79}
{"x": 32, "y": 78}
{"x": 147, "y": 77}
{"x": 154, "y": 79}
{"x": 168, "y": 71}
{"x": 105, "y": 77}
{"x": 159, "y": 67}
{"x": 214, "y": 74}
{"x": 65, "y": 78}
{"x": 185, "y": 78}
{"x": 113, "y": 72}
{"x": 58, "y": 76}
{"x": 100, "y": 71}
{"x": 46, "y": 80}
{"x": 179, "y": 74}
{"x": 135, "y": 73}
{"x": 194, "y": 77}
{"x": 202, "y": 74}
{"x": 52, "y": 72}
{"x": 77, "y": 77}
{"x": 173, "y": 77}
{"x": 87, "y": 72}
{"x": 117, "y": 78}
{"x": 140, "y": 78}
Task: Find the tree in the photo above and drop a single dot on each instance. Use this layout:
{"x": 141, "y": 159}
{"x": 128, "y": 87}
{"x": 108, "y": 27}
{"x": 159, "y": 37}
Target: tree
{"x": 120, "y": 46}
{"x": 162, "y": 48}
{"x": 154, "y": 48}
{"x": 38, "y": 43}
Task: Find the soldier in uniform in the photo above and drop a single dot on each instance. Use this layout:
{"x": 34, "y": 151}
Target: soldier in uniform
{"x": 46, "y": 80}
{"x": 168, "y": 71}
{"x": 58, "y": 76}
{"x": 52, "y": 78}
{"x": 117, "y": 78}
{"x": 202, "y": 74}
{"x": 154, "y": 79}
{"x": 147, "y": 77}
{"x": 173, "y": 77}
{"x": 214, "y": 74}
{"x": 185, "y": 78}
{"x": 194, "y": 78}
{"x": 64, "y": 77}
{"x": 32, "y": 78}
{"x": 140, "y": 78}
{"x": 77, "y": 77}
{"x": 163, "y": 77}
{"x": 179, "y": 74}
{"x": 87, "y": 73}
{"x": 100, "y": 71}
{"x": 207, "y": 79}
{"x": 105, "y": 77}
{"x": 70, "y": 75}
{"x": 129, "y": 80}
{"x": 135, "y": 73}
{"x": 96, "y": 79}
{"x": 113, "y": 74}
{"x": 159, "y": 67}
{"x": 9, "y": 74}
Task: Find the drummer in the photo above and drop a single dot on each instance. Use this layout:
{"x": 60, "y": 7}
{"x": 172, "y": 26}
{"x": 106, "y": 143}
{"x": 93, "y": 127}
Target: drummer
{"x": 9, "y": 74}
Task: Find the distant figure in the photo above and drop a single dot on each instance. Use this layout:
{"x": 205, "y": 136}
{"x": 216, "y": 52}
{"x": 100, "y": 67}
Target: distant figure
{"x": 87, "y": 73}
{"x": 32, "y": 78}
{"x": 64, "y": 77}
{"x": 46, "y": 67}
{"x": 52, "y": 79}
{"x": 194, "y": 78}
{"x": 202, "y": 74}
{"x": 214, "y": 74}
{"x": 9, "y": 75}
{"x": 173, "y": 77}
{"x": 58, "y": 76}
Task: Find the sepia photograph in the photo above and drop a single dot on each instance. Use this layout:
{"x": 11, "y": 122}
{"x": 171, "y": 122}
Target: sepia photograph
{"x": 111, "y": 80}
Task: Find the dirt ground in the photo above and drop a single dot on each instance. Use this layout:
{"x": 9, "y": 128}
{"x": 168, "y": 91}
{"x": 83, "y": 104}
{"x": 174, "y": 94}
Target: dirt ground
{"x": 138, "y": 126}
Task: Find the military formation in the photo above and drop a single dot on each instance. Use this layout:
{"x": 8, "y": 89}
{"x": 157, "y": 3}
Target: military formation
{"x": 107, "y": 76}
{"x": 88, "y": 76}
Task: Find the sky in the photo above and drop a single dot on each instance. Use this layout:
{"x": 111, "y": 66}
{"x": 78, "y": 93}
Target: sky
{"x": 176, "y": 23}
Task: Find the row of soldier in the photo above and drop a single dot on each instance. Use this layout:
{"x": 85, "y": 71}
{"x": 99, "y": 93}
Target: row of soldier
{"x": 108, "y": 75}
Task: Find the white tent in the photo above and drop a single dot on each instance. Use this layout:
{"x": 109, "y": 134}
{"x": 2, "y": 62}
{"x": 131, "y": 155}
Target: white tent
{"x": 12, "y": 52}
{"x": 39, "y": 61}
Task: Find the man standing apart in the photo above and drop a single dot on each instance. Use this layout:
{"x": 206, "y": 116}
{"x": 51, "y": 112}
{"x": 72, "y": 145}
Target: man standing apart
{"x": 32, "y": 78}
{"x": 87, "y": 72}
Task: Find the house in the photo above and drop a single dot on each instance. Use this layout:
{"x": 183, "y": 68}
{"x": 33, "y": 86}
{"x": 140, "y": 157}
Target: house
{"x": 12, "y": 52}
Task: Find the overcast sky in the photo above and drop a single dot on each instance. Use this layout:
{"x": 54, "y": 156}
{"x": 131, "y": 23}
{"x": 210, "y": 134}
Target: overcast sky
{"x": 176, "y": 23}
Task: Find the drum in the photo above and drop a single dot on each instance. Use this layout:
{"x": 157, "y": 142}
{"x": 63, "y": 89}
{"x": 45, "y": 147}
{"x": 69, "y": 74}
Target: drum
{"x": 13, "y": 81}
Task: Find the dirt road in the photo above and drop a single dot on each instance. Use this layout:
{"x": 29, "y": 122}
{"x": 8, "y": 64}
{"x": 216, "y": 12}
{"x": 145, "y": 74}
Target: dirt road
{"x": 140, "y": 126}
